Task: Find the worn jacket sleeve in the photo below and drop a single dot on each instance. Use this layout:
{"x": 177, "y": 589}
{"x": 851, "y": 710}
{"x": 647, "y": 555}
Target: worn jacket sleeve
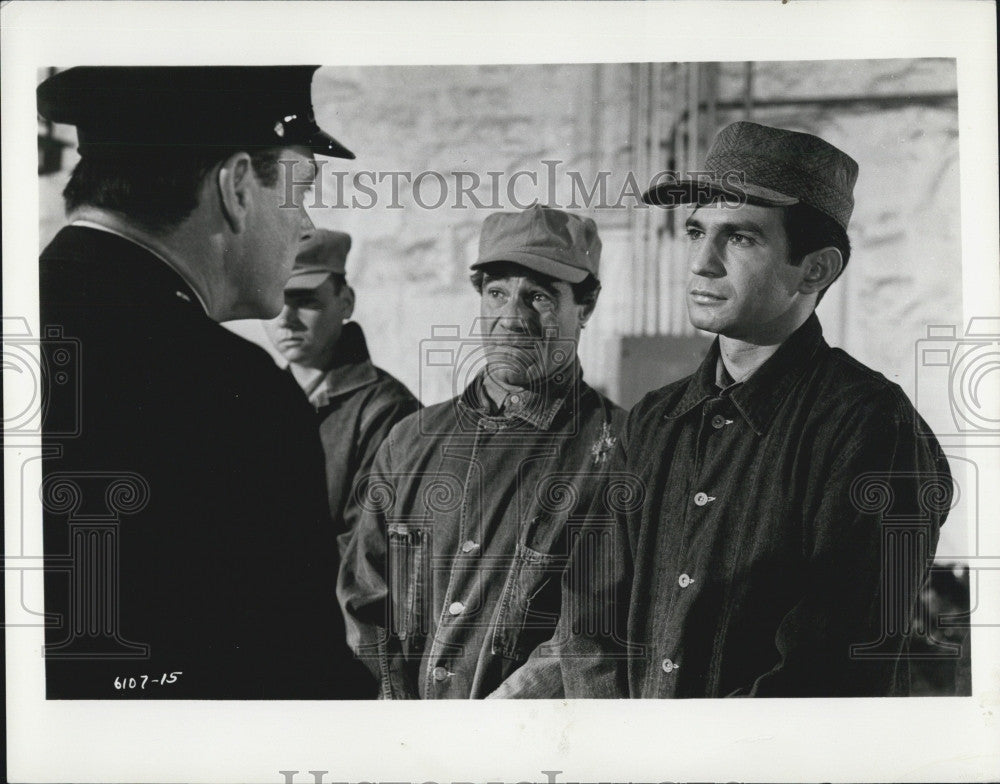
{"x": 376, "y": 422}
{"x": 868, "y": 542}
{"x": 594, "y": 651}
{"x": 362, "y": 584}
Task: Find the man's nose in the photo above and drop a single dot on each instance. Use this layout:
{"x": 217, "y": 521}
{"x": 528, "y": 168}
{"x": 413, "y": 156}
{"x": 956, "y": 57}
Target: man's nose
{"x": 515, "y": 315}
{"x": 704, "y": 259}
{"x": 306, "y": 226}
{"x": 289, "y": 317}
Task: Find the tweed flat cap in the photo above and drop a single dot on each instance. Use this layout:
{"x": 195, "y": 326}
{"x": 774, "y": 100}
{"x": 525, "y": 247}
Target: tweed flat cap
{"x": 119, "y": 109}
{"x": 769, "y": 166}
{"x": 321, "y": 253}
{"x": 556, "y": 243}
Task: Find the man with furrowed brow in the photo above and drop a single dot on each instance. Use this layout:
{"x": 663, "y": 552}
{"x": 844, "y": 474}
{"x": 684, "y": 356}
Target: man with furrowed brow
{"x": 793, "y": 495}
{"x": 452, "y": 577}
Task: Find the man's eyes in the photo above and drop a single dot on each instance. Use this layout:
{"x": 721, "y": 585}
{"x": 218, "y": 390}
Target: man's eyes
{"x": 535, "y": 297}
{"x": 741, "y": 240}
{"x": 736, "y": 239}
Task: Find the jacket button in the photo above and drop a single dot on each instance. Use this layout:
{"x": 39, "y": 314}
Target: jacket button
{"x": 456, "y": 608}
{"x": 684, "y": 581}
{"x": 701, "y": 499}
{"x": 718, "y": 421}
{"x": 669, "y": 666}
{"x": 469, "y": 546}
{"x": 440, "y": 673}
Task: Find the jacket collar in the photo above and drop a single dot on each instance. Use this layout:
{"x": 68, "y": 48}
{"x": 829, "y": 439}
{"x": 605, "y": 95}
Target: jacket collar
{"x": 115, "y": 263}
{"x": 758, "y": 397}
{"x": 537, "y": 408}
{"x": 121, "y": 229}
{"x": 351, "y": 370}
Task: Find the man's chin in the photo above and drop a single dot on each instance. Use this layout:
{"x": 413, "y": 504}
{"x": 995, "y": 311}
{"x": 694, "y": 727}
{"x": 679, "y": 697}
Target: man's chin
{"x": 702, "y": 321}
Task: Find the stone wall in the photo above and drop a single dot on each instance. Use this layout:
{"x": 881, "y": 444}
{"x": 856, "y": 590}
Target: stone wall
{"x": 409, "y": 263}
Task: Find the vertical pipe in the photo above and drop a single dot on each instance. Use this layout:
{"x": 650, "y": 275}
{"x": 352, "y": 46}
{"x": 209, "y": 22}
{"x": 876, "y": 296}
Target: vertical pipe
{"x": 693, "y": 164}
{"x": 674, "y": 214}
{"x": 683, "y": 84}
{"x": 748, "y": 92}
{"x": 628, "y": 321}
{"x": 642, "y": 130}
{"x": 652, "y": 142}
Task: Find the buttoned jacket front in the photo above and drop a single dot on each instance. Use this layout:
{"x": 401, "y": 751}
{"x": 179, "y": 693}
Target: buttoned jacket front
{"x": 788, "y": 524}
{"x": 452, "y": 578}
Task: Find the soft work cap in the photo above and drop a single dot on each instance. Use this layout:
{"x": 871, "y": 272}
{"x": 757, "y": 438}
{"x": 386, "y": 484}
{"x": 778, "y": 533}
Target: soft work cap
{"x": 321, "y": 254}
{"x": 772, "y": 167}
{"x": 122, "y": 109}
{"x": 543, "y": 239}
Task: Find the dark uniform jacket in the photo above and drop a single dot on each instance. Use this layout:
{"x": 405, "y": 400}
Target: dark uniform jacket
{"x": 189, "y": 549}
{"x": 452, "y": 577}
{"x": 788, "y": 524}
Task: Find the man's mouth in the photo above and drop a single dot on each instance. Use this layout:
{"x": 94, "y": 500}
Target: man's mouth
{"x": 705, "y": 297}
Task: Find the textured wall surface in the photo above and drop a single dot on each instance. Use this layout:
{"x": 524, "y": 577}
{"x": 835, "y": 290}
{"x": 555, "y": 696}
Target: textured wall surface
{"x": 409, "y": 262}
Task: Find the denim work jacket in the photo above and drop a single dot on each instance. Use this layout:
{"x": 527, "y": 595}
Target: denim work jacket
{"x": 358, "y": 404}
{"x": 789, "y": 522}
{"x": 452, "y": 578}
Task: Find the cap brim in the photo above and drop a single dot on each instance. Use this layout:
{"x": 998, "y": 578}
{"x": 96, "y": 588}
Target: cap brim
{"x": 552, "y": 268}
{"x": 703, "y": 192}
{"x": 323, "y": 143}
{"x": 307, "y": 280}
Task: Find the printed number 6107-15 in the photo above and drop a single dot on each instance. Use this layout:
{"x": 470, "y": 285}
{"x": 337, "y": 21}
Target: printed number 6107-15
{"x": 141, "y": 681}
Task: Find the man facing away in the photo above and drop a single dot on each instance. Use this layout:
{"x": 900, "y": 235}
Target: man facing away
{"x": 357, "y": 403}
{"x": 189, "y": 550}
{"x": 452, "y": 578}
{"x": 792, "y": 506}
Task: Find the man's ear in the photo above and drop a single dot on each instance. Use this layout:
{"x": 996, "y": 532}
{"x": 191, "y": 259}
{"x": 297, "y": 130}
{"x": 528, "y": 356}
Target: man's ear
{"x": 348, "y": 295}
{"x": 235, "y": 180}
{"x": 820, "y": 268}
{"x": 587, "y": 309}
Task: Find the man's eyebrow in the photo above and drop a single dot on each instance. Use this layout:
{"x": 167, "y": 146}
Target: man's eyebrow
{"x": 546, "y": 286}
{"x": 731, "y": 226}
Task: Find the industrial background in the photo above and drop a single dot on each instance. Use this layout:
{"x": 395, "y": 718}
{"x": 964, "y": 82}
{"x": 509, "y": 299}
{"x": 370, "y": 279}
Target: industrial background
{"x": 409, "y": 264}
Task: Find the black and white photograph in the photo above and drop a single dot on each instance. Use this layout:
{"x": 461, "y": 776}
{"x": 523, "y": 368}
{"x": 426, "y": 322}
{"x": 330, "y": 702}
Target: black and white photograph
{"x": 618, "y": 357}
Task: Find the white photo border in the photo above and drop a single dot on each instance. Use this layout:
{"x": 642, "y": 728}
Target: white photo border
{"x": 927, "y": 739}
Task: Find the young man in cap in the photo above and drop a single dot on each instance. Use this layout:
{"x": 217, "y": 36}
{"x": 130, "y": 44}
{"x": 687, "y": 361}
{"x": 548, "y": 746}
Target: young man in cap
{"x": 452, "y": 577}
{"x": 793, "y": 502}
{"x": 357, "y": 402}
{"x": 215, "y": 570}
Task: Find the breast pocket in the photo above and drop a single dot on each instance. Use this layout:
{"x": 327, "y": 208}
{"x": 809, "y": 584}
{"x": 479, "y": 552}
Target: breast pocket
{"x": 529, "y": 604}
{"x": 409, "y": 554}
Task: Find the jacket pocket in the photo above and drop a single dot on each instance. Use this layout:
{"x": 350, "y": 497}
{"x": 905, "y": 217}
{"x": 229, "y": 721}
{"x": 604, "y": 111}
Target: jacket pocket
{"x": 408, "y": 557}
{"x": 529, "y": 604}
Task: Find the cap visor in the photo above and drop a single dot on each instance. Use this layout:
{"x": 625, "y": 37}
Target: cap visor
{"x": 323, "y": 143}
{"x": 704, "y": 192}
{"x": 554, "y": 269}
{"x": 306, "y": 280}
